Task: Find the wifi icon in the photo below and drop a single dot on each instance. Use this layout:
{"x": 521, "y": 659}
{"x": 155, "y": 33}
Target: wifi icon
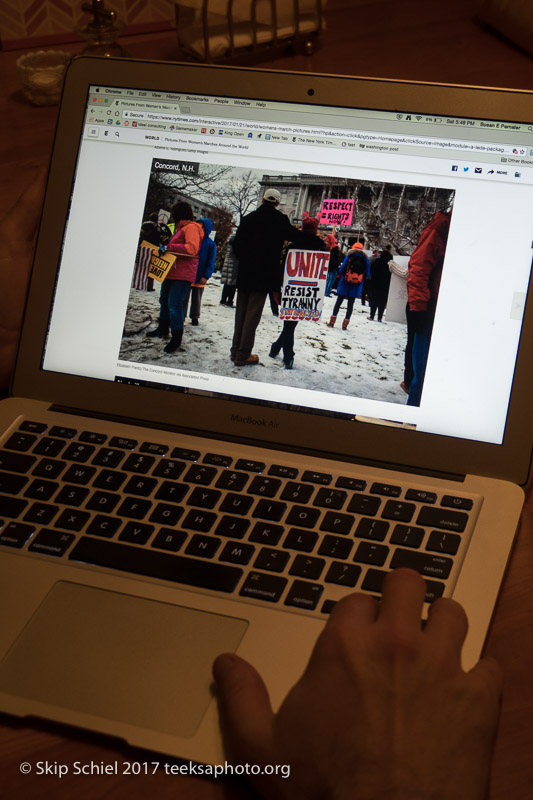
{"x": 419, "y": 117}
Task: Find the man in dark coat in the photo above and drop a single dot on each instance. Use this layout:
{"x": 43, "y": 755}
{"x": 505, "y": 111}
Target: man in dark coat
{"x": 257, "y": 245}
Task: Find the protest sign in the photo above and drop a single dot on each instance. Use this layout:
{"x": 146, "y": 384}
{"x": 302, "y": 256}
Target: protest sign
{"x": 159, "y": 265}
{"x": 304, "y": 285}
{"x": 336, "y": 212}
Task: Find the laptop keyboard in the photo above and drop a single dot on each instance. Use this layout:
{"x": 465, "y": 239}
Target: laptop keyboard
{"x": 264, "y": 532}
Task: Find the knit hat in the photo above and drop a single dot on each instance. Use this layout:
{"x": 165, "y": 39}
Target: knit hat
{"x": 310, "y": 224}
{"x": 272, "y": 196}
{"x": 357, "y": 246}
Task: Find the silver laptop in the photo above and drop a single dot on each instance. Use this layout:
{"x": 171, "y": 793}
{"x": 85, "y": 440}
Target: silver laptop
{"x": 159, "y": 508}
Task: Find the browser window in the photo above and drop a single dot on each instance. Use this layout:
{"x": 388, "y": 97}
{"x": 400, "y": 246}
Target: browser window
{"x": 374, "y": 178}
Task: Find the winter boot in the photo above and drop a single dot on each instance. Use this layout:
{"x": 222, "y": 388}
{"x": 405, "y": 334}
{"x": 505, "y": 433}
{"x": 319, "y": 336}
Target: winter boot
{"x": 175, "y": 340}
{"x": 161, "y": 331}
{"x": 331, "y": 322}
{"x": 345, "y": 324}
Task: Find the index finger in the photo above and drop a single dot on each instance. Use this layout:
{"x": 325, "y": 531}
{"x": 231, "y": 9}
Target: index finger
{"x": 404, "y": 592}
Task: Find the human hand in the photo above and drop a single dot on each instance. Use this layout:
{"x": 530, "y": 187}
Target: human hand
{"x": 17, "y": 234}
{"x": 383, "y": 709}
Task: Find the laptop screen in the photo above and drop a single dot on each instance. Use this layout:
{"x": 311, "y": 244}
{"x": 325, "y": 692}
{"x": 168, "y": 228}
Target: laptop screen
{"x": 401, "y": 305}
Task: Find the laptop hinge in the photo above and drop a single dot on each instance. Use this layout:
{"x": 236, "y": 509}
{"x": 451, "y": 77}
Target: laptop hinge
{"x": 251, "y": 442}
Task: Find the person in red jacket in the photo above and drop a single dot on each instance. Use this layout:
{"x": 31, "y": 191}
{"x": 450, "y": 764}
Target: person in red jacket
{"x": 423, "y": 282}
{"x": 185, "y": 243}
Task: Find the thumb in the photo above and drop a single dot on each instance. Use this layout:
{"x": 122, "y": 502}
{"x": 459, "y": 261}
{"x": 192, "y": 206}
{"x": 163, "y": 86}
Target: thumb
{"x": 246, "y": 716}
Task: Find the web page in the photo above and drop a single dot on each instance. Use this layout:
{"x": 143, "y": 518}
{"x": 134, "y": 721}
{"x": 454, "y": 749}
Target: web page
{"x": 368, "y": 181}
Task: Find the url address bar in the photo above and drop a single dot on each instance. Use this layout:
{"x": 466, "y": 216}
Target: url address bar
{"x": 338, "y": 133}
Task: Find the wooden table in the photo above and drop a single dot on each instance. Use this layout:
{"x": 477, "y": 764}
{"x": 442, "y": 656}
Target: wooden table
{"x": 412, "y": 39}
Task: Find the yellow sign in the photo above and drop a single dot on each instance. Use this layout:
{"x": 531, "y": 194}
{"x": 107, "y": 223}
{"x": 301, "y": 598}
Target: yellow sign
{"x": 159, "y": 265}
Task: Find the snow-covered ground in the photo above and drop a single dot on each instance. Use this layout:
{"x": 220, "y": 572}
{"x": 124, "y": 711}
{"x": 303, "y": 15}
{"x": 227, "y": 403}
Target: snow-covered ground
{"x": 366, "y": 360}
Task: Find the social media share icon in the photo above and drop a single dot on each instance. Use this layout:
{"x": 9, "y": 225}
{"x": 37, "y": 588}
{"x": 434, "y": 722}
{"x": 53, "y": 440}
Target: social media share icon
{"x": 454, "y": 167}
{"x": 478, "y": 170}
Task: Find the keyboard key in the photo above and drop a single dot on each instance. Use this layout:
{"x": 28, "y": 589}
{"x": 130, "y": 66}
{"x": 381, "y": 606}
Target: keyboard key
{"x": 171, "y": 492}
{"x": 237, "y": 553}
{"x": 267, "y": 487}
{"x": 261, "y": 586}
{"x": 250, "y": 466}
{"x": 108, "y": 458}
{"x": 78, "y": 452}
{"x": 297, "y": 492}
{"x": 407, "y": 536}
{"x": 301, "y": 540}
{"x": 330, "y": 498}
{"x": 303, "y": 594}
{"x": 185, "y": 454}
{"x": 373, "y": 582}
{"x": 49, "y": 447}
{"x": 280, "y": 471}
{"x": 135, "y": 508}
{"x": 421, "y": 496}
{"x": 166, "y": 514}
{"x": 71, "y": 495}
{"x": 300, "y": 515}
{"x": 154, "y": 449}
{"x": 140, "y": 486}
{"x": 307, "y": 567}
{"x": 368, "y": 553}
{"x": 265, "y": 533}
{"x": 444, "y": 542}
{"x": 236, "y": 503}
{"x": 103, "y": 501}
{"x": 328, "y": 606}
{"x": 76, "y": 474}
{"x": 442, "y": 518}
{"x": 136, "y": 462}
{"x": 136, "y": 532}
{"x": 41, "y": 489}
{"x": 72, "y": 519}
{"x": 402, "y": 512}
{"x": 168, "y": 539}
{"x": 271, "y": 560}
{"x": 337, "y": 523}
{"x": 236, "y": 481}
{"x": 103, "y": 525}
{"x": 354, "y": 484}
{"x": 41, "y": 513}
{"x": 123, "y": 442}
{"x": 203, "y": 546}
{"x": 16, "y": 462}
{"x": 167, "y": 468}
{"x": 12, "y": 484}
{"x": 154, "y": 564}
{"x": 450, "y": 501}
{"x": 234, "y": 527}
{"x": 200, "y": 474}
{"x": 386, "y": 489}
{"x": 20, "y": 442}
{"x": 92, "y": 437}
{"x": 203, "y": 498}
{"x": 32, "y": 427}
{"x": 110, "y": 479}
{"x": 217, "y": 460}
{"x": 51, "y": 543}
{"x": 343, "y": 574}
{"x": 334, "y": 547}
{"x": 201, "y": 521}
{"x": 376, "y": 529}
{"x": 317, "y": 477}
{"x": 12, "y": 506}
{"x": 63, "y": 433}
{"x": 435, "y": 566}
{"x": 364, "y": 504}
{"x": 269, "y": 509}
{"x": 15, "y": 534}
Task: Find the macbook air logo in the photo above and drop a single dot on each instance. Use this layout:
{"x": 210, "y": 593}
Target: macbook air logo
{"x": 260, "y": 422}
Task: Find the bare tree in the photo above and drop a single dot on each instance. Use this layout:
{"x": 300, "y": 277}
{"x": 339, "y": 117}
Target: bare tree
{"x": 240, "y": 193}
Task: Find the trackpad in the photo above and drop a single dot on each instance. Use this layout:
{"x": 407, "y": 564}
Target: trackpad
{"x": 137, "y": 661}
